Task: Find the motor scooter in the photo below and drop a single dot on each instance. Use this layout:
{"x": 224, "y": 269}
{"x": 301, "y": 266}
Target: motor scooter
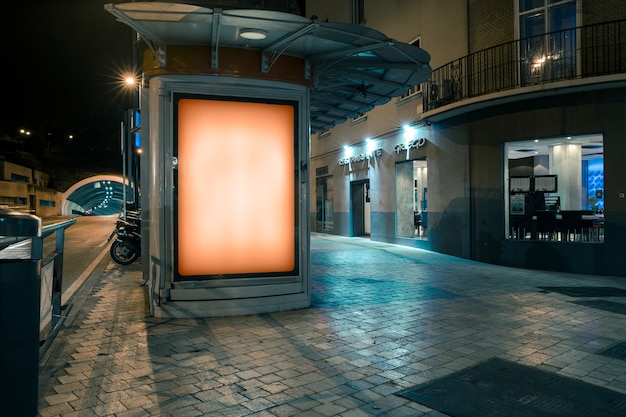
{"x": 126, "y": 247}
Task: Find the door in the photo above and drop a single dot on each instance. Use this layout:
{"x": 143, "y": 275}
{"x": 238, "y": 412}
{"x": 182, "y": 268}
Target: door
{"x": 360, "y": 208}
{"x": 324, "y": 204}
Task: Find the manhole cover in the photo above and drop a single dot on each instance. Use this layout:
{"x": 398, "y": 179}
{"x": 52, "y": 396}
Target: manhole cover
{"x": 605, "y": 305}
{"x": 587, "y": 291}
{"x": 616, "y": 351}
{"x": 502, "y": 388}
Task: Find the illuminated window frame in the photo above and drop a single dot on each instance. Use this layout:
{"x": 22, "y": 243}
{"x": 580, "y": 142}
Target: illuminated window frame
{"x": 251, "y": 276}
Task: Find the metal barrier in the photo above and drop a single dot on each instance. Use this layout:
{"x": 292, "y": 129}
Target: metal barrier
{"x": 581, "y": 52}
{"x": 52, "y": 280}
{"x": 20, "y": 262}
{"x": 30, "y": 305}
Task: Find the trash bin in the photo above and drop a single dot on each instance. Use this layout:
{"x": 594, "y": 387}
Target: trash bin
{"x": 20, "y": 292}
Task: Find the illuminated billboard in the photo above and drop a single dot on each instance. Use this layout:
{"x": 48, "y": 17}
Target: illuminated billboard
{"x": 235, "y": 187}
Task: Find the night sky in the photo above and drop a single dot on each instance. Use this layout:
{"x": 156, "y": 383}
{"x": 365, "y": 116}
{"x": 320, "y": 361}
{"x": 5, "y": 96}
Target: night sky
{"x": 61, "y": 62}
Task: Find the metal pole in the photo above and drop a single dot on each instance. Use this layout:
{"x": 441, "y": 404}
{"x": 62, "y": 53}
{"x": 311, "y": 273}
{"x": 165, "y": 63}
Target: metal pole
{"x": 122, "y": 130}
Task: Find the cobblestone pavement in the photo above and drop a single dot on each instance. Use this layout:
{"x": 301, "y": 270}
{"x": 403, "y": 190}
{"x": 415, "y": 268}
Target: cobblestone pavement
{"x": 384, "y": 318}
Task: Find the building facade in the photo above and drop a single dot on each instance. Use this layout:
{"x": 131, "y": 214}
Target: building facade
{"x": 512, "y": 152}
{"x": 24, "y": 189}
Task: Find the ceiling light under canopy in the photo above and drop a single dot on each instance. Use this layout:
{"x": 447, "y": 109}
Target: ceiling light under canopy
{"x": 252, "y": 34}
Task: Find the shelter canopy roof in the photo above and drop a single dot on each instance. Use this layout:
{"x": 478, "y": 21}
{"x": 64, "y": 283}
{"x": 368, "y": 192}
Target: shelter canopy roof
{"x": 352, "y": 68}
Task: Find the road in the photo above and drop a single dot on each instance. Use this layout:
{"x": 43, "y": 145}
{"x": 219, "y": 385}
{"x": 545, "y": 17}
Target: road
{"x": 85, "y": 247}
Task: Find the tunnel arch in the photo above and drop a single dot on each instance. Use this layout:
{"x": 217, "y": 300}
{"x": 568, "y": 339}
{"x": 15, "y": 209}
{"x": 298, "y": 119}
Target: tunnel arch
{"x": 101, "y": 195}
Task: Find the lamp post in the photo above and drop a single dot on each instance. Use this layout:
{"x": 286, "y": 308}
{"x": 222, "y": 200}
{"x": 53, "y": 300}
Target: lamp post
{"x": 130, "y": 143}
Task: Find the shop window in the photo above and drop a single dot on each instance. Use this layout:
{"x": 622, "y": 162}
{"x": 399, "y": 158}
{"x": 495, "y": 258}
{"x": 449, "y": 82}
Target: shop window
{"x": 555, "y": 189}
{"x": 412, "y": 199}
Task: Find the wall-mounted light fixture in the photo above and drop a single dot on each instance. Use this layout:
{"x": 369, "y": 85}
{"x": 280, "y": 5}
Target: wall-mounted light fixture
{"x": 371, "y": 145}
{"x": 253, "y": 34}
{"x": 409, "y": 133}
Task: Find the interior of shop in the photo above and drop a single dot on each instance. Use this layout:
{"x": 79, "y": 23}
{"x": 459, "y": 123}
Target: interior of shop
{"x": 412, "y": 199}
{"x": 555, "y": 189}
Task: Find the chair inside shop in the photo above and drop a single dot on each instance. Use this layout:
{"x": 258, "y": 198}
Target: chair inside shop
{"x": 521, "y": 226}
{"x": 546, "y": 224}
{"x": 571, "y": 225}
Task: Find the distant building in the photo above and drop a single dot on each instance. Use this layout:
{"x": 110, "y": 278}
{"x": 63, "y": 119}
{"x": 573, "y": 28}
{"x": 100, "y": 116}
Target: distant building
{"x": 24, "y": 189}
{"x": 512, "y": 153}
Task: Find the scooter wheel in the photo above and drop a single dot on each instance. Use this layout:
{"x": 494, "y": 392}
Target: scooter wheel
{"x": 122, "y": 254}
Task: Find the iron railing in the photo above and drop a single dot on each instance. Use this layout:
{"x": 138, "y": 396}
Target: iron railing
{"x": 585, "y": 51}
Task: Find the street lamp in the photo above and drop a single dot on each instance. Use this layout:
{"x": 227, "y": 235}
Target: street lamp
{"x": 130, "y": 143}
{"x": 130, "y": 80}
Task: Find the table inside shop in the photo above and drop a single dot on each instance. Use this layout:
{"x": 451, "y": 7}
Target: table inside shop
{"x": 587, "y": 224}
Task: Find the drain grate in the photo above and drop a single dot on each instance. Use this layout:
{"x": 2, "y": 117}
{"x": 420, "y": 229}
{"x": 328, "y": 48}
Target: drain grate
{"x": 616, "y": 351}
{"x": 502, "y": 388}
{"x": 587, "y": 291}
{"x": 610, "y": 306}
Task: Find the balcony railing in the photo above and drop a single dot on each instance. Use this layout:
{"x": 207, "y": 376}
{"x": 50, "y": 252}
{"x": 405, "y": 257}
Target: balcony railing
{"x": 585, "y": 51}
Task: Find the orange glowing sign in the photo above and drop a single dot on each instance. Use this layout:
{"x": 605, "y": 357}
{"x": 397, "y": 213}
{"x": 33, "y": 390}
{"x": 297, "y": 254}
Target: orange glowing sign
{"x": 236, "y": 188}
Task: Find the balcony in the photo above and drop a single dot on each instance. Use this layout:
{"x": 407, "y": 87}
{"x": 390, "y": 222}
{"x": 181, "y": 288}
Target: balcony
{"x": 581, "y": 56}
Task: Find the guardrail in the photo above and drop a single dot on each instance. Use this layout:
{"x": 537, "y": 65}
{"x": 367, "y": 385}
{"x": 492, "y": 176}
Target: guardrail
{"x": 30, "y": 304}
{"x": 52, "y": 280}
{"x": 584, "y": 51}
{"x": 22, "y": 248}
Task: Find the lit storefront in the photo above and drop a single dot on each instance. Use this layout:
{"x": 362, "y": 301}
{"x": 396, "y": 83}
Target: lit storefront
{"x": 377, "y": 188}
{"x": 556, "y": 189}
{"x": 523, "y": 121}
{"x": 474, "y": 187}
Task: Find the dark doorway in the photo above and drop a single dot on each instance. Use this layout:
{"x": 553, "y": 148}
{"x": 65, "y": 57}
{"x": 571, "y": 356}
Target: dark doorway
{"x": 360, "y": 208}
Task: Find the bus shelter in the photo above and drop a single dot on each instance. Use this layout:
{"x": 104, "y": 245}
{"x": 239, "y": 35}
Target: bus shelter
{"x": 229, "y": 99}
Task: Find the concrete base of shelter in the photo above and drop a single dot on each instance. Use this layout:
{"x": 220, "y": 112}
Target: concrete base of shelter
{"x": 233, "y": 307}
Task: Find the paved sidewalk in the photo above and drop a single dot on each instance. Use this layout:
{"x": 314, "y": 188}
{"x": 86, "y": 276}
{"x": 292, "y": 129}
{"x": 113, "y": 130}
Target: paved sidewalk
{"x": 384, "y": 318}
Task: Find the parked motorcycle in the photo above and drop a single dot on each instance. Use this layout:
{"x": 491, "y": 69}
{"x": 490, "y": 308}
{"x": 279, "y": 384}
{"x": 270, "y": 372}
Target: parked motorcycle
{"x": 126, "y": 247}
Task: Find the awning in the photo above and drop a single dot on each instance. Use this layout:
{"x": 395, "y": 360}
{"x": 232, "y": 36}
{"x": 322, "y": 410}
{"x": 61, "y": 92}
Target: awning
{"x": 353, "y": 68}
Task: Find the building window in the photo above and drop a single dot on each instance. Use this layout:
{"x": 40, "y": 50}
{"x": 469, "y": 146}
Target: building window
{"x": 47, "y": 203}
{"x": 412, "y": 199}
{"x": 357, "y": 9}
{"x": 414, "y": 90}
{"x": 323, "y": 133}
{"x": 547, "y": 29}
{"x": 18, "y": 178}
{"x": 555, "y": 189}
{"x": 361, "y": 117}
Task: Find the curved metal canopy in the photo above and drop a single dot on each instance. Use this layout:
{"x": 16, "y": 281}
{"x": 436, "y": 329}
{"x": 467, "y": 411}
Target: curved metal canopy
{"x": 353, "y": 68}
